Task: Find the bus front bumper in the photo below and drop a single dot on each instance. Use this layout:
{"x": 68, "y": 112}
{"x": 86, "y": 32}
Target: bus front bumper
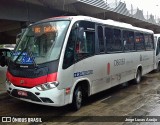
{"x": 52, "y": 97}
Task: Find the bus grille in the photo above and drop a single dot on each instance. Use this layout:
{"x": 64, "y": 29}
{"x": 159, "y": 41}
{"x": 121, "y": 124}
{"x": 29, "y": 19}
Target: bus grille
{"x": 28, "y": 73}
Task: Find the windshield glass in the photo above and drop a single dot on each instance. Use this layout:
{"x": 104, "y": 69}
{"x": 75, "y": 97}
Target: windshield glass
{"x": 41, "y": 43}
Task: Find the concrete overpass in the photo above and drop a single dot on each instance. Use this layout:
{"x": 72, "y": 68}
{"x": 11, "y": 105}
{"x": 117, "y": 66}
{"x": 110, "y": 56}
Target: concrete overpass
{"x": 17, "y": 14}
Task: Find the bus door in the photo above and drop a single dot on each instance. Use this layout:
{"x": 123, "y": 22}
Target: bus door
{"x": 99, "y": 82}
{"x": 158, "y": 48}
{"x": 77, "y": 64}
{"x": 84, "y": 51}
{"x": 158, "y": 51}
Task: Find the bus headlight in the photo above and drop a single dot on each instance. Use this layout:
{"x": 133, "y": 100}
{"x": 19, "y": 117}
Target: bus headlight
{"x": 47, "y": 86}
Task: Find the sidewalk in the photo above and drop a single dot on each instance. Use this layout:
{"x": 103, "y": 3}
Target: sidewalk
{"x": 2, "y": 79}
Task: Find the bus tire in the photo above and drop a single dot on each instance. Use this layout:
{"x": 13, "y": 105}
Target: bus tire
{"x": 77, "y": 98}
{"x": 137, "y": 79}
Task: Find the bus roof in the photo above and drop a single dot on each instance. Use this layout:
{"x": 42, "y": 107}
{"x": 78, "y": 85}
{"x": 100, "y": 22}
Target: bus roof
{"x": 96, "y": 20}
{"x": 158, "y": 35}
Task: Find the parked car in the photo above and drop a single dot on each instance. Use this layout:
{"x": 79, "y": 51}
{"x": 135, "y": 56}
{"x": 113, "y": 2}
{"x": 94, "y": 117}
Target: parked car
{"x": 5, "y": 54}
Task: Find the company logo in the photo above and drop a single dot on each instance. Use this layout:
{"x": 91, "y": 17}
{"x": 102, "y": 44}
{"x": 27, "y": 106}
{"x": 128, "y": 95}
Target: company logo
{"x": 20, "y": 119}
{"x": 21, "y": 81}
{"x": 23, "y": 66}
{"x": 6, "y": 119}
{"x": 119, "y": 62}
{"x": 83, "y": 73}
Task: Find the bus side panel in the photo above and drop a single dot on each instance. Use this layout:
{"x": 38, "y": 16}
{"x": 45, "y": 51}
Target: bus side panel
{"x": 123, "y": 67}
{"x": 147, "y": 61}
{"x": 108, "y": 70}
{"x": 92, "y": 68}
{"x": 65, "y": 78}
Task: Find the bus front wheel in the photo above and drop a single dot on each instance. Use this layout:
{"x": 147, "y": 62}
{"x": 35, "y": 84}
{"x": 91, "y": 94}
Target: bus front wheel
{"x": 77, "y": 98}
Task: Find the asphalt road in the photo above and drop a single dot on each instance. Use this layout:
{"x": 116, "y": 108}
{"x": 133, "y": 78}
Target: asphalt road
{"x": 131, "y": 100}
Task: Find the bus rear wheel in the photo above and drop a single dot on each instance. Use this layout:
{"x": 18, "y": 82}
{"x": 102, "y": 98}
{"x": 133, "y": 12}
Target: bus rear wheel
{"x": 77, "y": 98}
{"x": 138, "y": 77}
{"x": 158, "y": 67}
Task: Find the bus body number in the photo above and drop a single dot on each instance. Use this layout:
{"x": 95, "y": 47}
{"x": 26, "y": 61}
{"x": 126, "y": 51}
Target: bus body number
{"x": 118, "y": 62}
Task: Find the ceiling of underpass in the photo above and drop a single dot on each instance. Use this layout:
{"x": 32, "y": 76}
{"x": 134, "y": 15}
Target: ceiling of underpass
{"x": 17, "y": 14}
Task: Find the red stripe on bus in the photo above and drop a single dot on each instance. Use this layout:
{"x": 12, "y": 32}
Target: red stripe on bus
{"x": 52, "y": 77}
{"x": 108, "y": 68}
{"x": 31, "y": 82}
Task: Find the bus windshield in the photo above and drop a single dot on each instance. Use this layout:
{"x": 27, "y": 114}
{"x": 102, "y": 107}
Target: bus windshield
{"x": 41, "y": 43}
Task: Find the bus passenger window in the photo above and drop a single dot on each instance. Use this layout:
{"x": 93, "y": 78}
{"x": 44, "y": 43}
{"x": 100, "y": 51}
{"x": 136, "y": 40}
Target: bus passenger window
{"x": 109, "y": 39}
{"x": 128, "y": 40}
{"x": 113, "y": 39}
{"x": 101, "y": 39}
{"x": 148, "y": 42}
{"x": 139, "y": 41}
{"x": 85, "y": 47}
{"x": 117, "y": 44}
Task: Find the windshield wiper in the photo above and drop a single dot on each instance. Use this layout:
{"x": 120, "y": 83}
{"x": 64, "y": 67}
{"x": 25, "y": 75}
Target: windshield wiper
{"x": 31, "y": 56}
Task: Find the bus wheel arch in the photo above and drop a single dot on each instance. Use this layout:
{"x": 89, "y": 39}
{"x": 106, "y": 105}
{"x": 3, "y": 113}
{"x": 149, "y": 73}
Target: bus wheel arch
{"x": 80, "y": 92}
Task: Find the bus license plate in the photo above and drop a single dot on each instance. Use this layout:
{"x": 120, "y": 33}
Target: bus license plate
{"x": 22, "y": 93}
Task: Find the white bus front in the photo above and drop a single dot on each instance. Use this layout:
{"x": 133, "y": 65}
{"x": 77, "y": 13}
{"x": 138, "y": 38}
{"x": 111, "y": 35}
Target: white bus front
{"x": 32, "y": 73}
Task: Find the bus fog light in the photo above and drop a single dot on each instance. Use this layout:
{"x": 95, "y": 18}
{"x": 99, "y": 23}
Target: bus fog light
{"x": 47, "y": 86}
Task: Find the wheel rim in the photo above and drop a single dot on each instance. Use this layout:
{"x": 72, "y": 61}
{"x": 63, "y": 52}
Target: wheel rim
{"x": 79, "y": 99}
{"x": 138, "y": 77}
